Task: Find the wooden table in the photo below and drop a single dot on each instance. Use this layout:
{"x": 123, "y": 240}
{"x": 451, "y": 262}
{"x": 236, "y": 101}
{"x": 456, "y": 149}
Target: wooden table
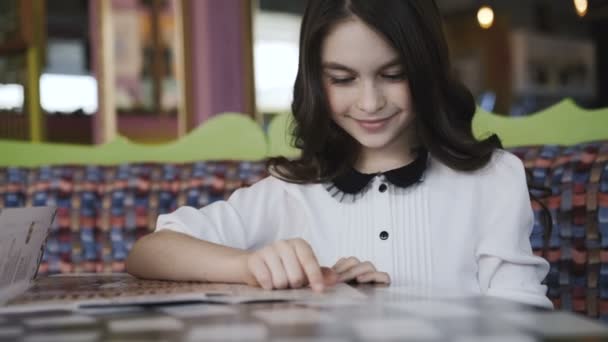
{"x": 362, "y": 313}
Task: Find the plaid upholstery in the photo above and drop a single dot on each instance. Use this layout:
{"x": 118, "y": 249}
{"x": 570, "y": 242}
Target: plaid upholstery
{"x": 103, "y": 210}
{"x": 577, "y": 182}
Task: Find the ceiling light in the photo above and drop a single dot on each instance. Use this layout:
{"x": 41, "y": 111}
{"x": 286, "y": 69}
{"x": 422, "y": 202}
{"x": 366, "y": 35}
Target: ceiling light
{"x": 581, "y": 7}
{"x": 485, "y": 17}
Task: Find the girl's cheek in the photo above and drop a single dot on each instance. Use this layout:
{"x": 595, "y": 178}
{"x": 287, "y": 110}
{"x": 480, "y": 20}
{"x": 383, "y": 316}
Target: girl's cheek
{"x": 341, "y": 96}
{"x": 334, "y": 98}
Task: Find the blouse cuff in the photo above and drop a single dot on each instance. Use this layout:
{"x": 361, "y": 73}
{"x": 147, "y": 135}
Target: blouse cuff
{"x": 514, "y": 276}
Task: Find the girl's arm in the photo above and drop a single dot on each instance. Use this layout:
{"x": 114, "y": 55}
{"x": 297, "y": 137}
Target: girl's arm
{"x": 216, "y": 243}
{"x": 507, "y": 267}
{"x": 175, "y": 256}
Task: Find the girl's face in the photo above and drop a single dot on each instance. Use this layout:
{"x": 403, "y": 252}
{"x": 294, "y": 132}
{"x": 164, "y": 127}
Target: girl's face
{"x": 367, "y": 89}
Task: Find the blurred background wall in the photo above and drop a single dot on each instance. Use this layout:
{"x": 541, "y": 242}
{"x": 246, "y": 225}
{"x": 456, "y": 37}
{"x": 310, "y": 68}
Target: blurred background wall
{"x": 85, "y": 71}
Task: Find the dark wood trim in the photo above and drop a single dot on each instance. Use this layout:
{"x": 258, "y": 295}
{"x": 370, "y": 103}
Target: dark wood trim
{"x": 186, "y": 14}
{"x": 13, "y": 46}
{"x": 27, "y": 29}
{"x": 23, "y": 37}
{"x": 157, "y": 55}
{"x": 14, "y": 126}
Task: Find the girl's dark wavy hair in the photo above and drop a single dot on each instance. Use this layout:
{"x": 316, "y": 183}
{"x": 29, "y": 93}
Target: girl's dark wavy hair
{"x": 444, "y": 107}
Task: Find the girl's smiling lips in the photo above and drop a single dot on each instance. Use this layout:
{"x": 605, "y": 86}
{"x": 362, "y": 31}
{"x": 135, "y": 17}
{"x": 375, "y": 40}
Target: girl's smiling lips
{"x": 375, "y": 125}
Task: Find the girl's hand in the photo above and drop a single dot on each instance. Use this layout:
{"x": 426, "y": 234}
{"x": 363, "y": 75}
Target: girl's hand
{"x": 351, "y": 269}
{"x": 287, "y": 264}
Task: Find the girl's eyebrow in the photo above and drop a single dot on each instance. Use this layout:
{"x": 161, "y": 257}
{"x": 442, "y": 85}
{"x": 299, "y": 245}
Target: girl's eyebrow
{"x": 338, "y": 66}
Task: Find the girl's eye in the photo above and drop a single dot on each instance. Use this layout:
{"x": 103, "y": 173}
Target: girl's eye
{"x": 341, "y": 80}
{"x": 395, "y": 77}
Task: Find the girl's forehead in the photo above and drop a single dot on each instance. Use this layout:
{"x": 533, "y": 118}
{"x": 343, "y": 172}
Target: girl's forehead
{"x": 356, "y": 45}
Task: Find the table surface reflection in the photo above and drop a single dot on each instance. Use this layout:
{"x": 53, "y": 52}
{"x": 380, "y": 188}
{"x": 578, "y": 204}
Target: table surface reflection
{"x": 222, "y": 312}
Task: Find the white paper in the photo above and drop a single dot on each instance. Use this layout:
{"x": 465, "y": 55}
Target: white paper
{"x": 84, "y": 292}
{"x": 236, "y": 294}
{"x": 103, "y": 290}
{"x": 22, "y": 235}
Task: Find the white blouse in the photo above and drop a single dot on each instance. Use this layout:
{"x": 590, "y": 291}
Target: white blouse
{"x": 462, "y": 231}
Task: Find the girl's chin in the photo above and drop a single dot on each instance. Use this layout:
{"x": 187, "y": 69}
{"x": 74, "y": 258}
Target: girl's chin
{"x": 373, "y": 144}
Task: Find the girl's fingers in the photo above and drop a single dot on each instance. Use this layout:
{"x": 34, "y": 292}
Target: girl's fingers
{"x": 354, "y": 272}
{"x": 374, "y": 277}
{"x": 338, "y": 263}
{"x": 330, "y": 277}
{"x": 345, "y": 264}
{"x": 289, "y": 259}
{"x": 260, "y": 272}
{"x": 309, "y": 263}
{"x": 277, "y": 270}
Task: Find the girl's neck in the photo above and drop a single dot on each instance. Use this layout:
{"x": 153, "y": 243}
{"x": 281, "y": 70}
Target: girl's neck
{"x": 395, "y": 155}
{"x": 372, "y": 162}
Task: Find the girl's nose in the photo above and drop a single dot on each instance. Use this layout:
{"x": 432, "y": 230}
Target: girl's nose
{"x": 371, "y": 98}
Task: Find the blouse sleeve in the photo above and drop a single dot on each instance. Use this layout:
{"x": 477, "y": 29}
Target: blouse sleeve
{"x": 507, "y": 267}
{"x": 251, "y": 217}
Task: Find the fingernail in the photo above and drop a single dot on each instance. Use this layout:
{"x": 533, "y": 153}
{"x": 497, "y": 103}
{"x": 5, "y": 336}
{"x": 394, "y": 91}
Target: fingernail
{"x": 317, "y": 287}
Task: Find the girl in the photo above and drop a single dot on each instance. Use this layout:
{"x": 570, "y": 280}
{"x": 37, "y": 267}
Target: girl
{"x": 391, "y": 185}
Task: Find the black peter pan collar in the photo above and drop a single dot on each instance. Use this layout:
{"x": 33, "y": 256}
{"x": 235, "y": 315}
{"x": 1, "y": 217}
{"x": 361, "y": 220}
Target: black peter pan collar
{"x": 353, "y": 181}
